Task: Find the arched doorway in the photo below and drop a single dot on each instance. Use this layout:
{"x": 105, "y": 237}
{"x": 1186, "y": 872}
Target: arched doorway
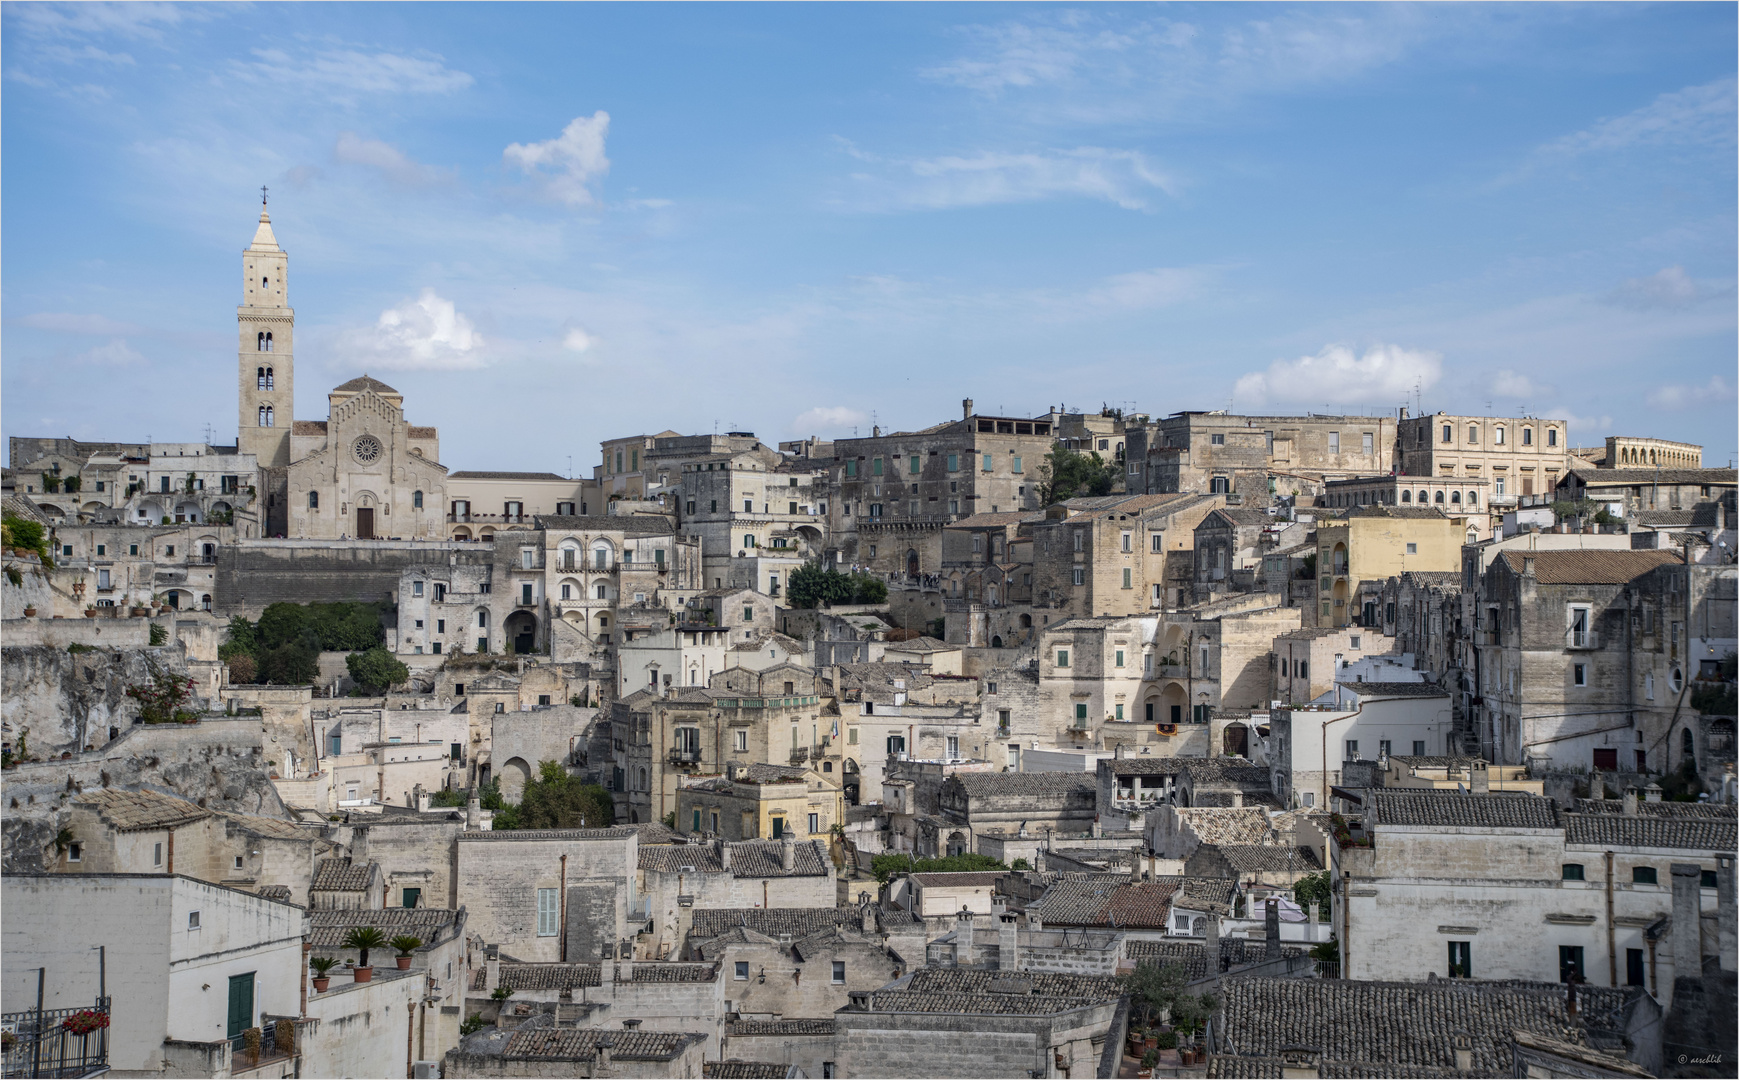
{"x": 851, "y": 781}
{"x": 956, "y": 843}
{"x": 996, "y": 642}
{"x": 520, "y": 628}
{"x": 1236, "y": 741}
{"x": 1172, "y": 702}
{"x": 911, "y": 562}
{"x": 364, "y": 517}
{"x": 515, "y": 774}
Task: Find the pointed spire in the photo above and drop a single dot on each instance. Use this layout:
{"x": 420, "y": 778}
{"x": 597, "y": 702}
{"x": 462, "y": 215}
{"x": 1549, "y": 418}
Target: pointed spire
{"x": 263, "y": 238}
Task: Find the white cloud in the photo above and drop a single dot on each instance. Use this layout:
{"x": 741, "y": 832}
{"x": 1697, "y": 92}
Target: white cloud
{"x": 1695, "y": 114}
{"x": 578, "y": 340}
{"x": 115, "y": 353}
{"x": 135, "y": 20}
{"x": 1679, "y": 396}
{"x": 573, "y": 159}
{"x": 426, "y": 334}
{"x": 346, "y": 72}
{"x": 1122, "y": 177}
{"x": 1159, "y": 287}
{"x": 388, "y": 160}
{"x": 69, "y": 323}
{"x": 1592, "y": 427}
{"x": 1516, "y": 385}
{"x": 1670, "y": 289}
{"x": 1385, "y": 374}
{"x": 828, "y": 418}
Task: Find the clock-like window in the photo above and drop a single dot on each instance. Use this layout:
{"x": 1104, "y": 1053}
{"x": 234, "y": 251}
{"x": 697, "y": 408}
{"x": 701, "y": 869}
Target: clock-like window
{"x": 367, "y": 449}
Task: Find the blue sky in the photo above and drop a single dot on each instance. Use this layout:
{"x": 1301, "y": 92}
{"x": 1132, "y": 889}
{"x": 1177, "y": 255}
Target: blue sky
{"x": 550, "y": 224}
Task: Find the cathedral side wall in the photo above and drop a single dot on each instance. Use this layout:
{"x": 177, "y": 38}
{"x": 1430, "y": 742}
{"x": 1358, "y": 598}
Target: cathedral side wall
{"x": 251, "y": 575}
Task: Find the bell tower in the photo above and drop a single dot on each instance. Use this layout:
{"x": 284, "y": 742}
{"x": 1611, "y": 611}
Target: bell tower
{"x": 268, "y": 334}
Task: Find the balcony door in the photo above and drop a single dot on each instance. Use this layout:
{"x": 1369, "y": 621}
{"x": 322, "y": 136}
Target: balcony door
{"x": 241, "y": 1003}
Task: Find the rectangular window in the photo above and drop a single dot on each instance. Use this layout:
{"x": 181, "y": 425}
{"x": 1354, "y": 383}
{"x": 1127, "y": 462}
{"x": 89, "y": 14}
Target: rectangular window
{"x": 193, "y": 920}
{"x": 1017, "y": 467}
{"x": 1119, "y": 712}
{"x": 851, "y": 468}
{"x": 1633, "y": 969}
{"x": 838, "y": 971}
{"x": 1573, "y": 872}
{"x": 851, "y": 736}
{"x": 989, "y": 463}
{"x": 1606, "y": 757}
{"x": 742, "y": 969}
{"x": 1418, "y": 747}
{"x": 1644, "y": 875}
{"x": 416, "y": 588}
{"x": 1079, "y": 576}
{"x": 1081, "y": 714}
{"x": 525, "y": 593}
{"x": 953, "y": 462}
{"x": 1126, "y": 578}
{"x": 814, "y": 824}
{"x": 1352, "y": 750}
{"x": 1158, "y": 543}
{"x": 1119, "y": 657}
{"x": 1062, "y": 658}
{"x": 132, "y": 549}
{"x": 1412, "y": 549}
{"x": 953, "y": 747}
{"x": 1570, "y": 964}
{"x": 157, "y": 855}
{"x": 875, "y": 466}
{"x": 1334, "y": 442}
{"x": 1383, "y": 749}
{"x": 1580, "y": 674}
{"x": 1551, "y": 436}
{"x": 742, "y": 738}
{"x": 75, "y": 852}
{"x": 1368, "y": 440}
{"x": 1217, "y": 440}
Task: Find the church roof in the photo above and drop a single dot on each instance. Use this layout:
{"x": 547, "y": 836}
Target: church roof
{"x": 263, "y": 238}
{"x": 363, "y": 382}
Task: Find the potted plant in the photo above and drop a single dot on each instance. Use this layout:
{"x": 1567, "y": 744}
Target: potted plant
{"x": 362, "y": 939}
{"x": 91, "y": 612}
{"x": 405, "y": 944}
{"x": 30, "y": 611}
{"x": 86, "y": 1021}
{"x": 322, "y": 965}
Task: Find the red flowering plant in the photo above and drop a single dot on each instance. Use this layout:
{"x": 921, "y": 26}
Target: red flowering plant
{"x": 86, "y": 1021}
{"x": 161, "y": 699}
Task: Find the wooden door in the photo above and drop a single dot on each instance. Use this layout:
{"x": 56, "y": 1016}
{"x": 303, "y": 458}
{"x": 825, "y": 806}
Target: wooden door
{"x": 241, "y": 1003}
{"x": 365, "y": 523}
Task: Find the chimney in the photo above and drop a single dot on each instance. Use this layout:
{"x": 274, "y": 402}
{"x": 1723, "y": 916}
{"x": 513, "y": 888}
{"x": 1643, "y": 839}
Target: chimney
{"x": 1463, "y": 1045}
{"x": 724, "y": 855}
{"x": 1008, "y": 942}
{"x": 1596, "y": 785}
{"x": 1271, "y": 929}
{"x": 491, "y": 968}
{"x": 966, "y": 409}
{"x": 963, "y": 938}
{"x": 788, "y": 852}
{"x": 1237, "y": 799}
{"x": 1098, "y": 829}
{"x": 1212, "y": 944}
{"x": 607, "y": 970}
{"x": 1479, "y": 778}
{"x": 1687, "y": 920}
{"x": 1630, "y": 802}
{"x": 626, "y": 968}
{"x": 1724, "y": 910}
{"x": 1570, "y": 998}
{"x": 473, "y": 814}
{"x": 359, "y": 846}
{"x": 1652, "y": 793}
{"x": 866, "y": 916}
{"x": 876, "y": 432}
{"x": 606, "y": 1040}
{"x": 1117, "y": 752}
{"x": 1527, "y": 566}
{"x": 1300, "y": 1063}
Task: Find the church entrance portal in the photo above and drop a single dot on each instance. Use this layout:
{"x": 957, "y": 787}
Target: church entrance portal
{"x": 365, "y": 523}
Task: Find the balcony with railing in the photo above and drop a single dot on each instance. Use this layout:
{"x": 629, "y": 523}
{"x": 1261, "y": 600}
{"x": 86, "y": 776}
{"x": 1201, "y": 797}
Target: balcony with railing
{"x": 57, "y": 1042}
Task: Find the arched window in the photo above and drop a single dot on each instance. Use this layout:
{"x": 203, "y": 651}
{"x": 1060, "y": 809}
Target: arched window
{"x": 268, "y": 341}
{"x": 260, "y": 341}
{"x": 1455, "y": 497}
{"x": 1440, "y": 496}
{"x": 313, "y": 500}
{"x": 264, "y": 282}
{"x": 262, "y": 416}
{"x": 1406, "y": 496}
{"x": 270, "y": 419}
{"x": 1688, "y": 748}
{"x": 1424, "y": 496}
{"x": 1473, "y": 498}
{"x": 269, "y": 379}
{"x": 259, "y": 378}
{"x": 416, "y": 500}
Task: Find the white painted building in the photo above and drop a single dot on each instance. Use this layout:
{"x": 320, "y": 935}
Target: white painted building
{"x": 1308, "y": 744}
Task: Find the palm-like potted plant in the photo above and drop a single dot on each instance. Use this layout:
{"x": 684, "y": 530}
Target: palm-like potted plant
{"x": 362, "y": 939}
{"x": 405, "y": 944}
{"x": 322, "y": 965}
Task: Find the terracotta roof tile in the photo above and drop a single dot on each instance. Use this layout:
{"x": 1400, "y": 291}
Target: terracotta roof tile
{"x": 1596, "y": 567}
{"x": 337, "y": 874}
{"x": 327, "y": 926}
{"x": 1456, "y": 809}
{"x": 580, "y": 1044}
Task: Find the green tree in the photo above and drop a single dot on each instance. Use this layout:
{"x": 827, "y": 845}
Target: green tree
{"x": 1155, "y": 987}
{"x": 1314, "y": 889}
{"x": 295, "y": 664}
{"x": 376, "y": 669}
{"x": 281, "y": 624}
{"x": 886, "y": 866}
{"x": 868, "y": 589}
{"x": 243, "y": 640}
{"x": 811, "y": 586}
{"x": 554, "y": 800}
{"x": 1065, "y": 474}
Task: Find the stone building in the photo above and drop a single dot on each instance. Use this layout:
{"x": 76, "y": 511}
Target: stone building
{"x": 1307, "y": 661}
{"x": 479, "y": 502}
{"x": 754, "y": 801}
{"x": 677, "y": 879}
{"x": 365, "y": 471}
{"x": 1631, "y": 452}
{"x": 1517, "y": 889}
{"x": 1120, "y": 555}
{"x": 895, "y": 492}
{"x": 987, "y": 579}
{"x": 1373, "y": 543}
{"x": 1629, "y": 491}
{"x": 1464, "y": 496}
{"x": 753, "y": 512}
{"x": 797, "y": 977}
{"x": 545, "y": 1050}
{"x": 1231, "y": 544}
{"x": 550, "y": 894}
{"x": 1223, "y": 453}
{"x": 954, "y": 1022}
{"x": 1518, "y": 456}
{"x": 978, "y": 802}
{"x": 1582, "y": 657}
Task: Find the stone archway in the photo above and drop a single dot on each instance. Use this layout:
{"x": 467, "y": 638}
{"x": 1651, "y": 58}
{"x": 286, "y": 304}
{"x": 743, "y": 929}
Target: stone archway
{"x": 912, "y": 562}
{"x": 1236, "y": 741}
{"x": 514, "y": 775}
{"x": 519, "y": 632}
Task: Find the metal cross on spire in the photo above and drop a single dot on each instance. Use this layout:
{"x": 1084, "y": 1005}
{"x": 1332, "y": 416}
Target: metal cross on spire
{"x": 262, "y": 194}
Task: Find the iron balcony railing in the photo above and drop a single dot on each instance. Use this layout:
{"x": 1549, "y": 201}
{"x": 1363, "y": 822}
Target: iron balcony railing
{"x": 38, "y": 1043}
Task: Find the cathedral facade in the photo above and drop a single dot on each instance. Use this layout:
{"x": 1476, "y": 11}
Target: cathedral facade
{"x": 364, "y": 472}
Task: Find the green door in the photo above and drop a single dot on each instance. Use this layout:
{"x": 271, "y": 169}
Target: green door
{"x": 241, "y": 1003}
{"x": 412, "y": 896}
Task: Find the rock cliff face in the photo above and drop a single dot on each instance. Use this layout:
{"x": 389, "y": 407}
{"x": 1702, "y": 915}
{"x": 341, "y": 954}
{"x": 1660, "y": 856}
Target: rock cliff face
{"x": 71, "y": 700}
{"x": 218, "y": 763}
